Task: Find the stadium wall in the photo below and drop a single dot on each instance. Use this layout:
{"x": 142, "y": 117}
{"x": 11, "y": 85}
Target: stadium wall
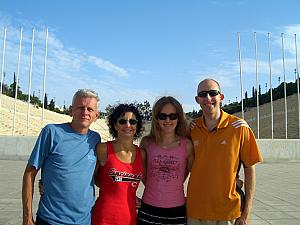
{"x": 20, "y": 147}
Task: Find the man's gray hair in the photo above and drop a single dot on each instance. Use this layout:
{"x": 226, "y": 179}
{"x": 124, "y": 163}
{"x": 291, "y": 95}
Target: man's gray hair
{"x": 86, "y": 93}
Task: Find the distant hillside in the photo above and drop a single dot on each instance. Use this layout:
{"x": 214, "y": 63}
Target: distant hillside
{"x": 278, "y": 117}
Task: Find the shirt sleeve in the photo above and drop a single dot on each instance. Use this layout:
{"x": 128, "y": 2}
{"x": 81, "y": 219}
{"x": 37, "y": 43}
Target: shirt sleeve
{"x": 41, "y": 149}
{"x": 250, "y": 153}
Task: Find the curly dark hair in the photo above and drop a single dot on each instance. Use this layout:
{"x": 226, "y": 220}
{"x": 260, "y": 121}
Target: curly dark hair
{"x": 120, "y": 110}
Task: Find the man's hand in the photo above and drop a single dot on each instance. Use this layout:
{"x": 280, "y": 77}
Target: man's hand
{"x": 192, "y": 124}
{"x": 28, "y": 222}
{"x": 250, "y": 182}
{"x": 138, "y": 202}
{"x": 27, "y": 194}
{"x": 41, "y": 187}
{"x": 241, "y": 221}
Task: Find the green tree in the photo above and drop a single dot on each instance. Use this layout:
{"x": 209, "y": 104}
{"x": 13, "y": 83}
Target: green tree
{"x": 12, "y": 88}
{"x": 51, "y": 105}
{"x": 46, "y": 101}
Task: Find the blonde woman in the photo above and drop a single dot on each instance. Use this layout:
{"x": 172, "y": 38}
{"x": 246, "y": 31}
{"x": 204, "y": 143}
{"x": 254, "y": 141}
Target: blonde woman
{"x": 169, "y": 160}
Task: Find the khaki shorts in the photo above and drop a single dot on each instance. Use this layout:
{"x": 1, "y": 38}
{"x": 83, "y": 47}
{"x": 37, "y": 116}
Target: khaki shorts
{"x": 209, "y": 222}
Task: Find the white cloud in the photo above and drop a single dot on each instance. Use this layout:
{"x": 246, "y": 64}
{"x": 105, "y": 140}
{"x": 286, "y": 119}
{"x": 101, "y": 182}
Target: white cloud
{"x": 289, "y": 33}
{"x": 68, "y": 69}
{"x": 106, "y": 65}
{"x": 293, "y": 29}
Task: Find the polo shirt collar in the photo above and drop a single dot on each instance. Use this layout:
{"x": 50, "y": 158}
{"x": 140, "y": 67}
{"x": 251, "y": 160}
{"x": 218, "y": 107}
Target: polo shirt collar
{"x": 224, "y": 120}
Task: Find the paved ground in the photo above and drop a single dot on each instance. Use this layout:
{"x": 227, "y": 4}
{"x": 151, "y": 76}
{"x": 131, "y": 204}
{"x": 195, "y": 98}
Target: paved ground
{"x": 277, "y": 199}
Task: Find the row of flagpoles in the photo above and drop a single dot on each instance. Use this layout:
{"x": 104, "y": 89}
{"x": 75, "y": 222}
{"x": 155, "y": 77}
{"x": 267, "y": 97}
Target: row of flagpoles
{"x": 30, "y": 74}
{"x": 270, "y": 81}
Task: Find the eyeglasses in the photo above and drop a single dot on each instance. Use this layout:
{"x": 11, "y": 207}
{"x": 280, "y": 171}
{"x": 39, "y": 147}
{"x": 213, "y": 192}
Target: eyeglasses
{"x": 212, "y": 93}
{"x": 164, "y": 116}
{"x": 131, "y": 121}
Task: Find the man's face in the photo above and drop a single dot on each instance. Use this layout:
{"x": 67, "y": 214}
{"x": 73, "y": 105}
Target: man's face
{"x": 84, "y": 111}
{"x": 210, "y": 98}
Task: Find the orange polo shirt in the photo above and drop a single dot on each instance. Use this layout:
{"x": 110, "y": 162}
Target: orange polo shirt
{"x": 212, "y": 185}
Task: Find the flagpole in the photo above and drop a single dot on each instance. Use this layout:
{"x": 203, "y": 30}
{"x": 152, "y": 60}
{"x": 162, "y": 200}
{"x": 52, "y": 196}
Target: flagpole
{"x": 241, "y": 83}
{"x": 284, "y": 85}
{"x": 29, "y": 86}
{"x": 44, "y": 79}
{"x": 271, "y": 87}
{"x": 17, "y": 82}
{"x": 297, "y": 74}
{"x": 257, "y": 85}
{"x": 2, "y": 68}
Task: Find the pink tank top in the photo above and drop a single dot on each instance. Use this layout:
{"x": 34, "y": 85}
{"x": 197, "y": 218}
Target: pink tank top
{"x": 116, "y": 203}
{"x": 165, "y": 175}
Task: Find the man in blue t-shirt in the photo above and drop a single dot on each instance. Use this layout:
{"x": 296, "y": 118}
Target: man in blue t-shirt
{"x": 65, "y": 153}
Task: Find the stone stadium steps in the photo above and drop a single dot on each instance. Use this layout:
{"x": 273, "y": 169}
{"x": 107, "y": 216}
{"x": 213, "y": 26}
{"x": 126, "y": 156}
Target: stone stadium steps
{"x": 265, "y": 128}
{"x": 35, "y": 119}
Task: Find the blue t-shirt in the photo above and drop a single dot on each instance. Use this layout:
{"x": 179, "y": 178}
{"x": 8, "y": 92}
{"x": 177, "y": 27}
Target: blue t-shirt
{"x": 67, "y": 160}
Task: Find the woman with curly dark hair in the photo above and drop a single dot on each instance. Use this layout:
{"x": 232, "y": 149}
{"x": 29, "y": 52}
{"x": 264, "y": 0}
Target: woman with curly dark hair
{"x": 119, "y": 169}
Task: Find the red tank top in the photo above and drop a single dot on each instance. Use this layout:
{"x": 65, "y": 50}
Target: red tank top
{"x": 119, "y": 181}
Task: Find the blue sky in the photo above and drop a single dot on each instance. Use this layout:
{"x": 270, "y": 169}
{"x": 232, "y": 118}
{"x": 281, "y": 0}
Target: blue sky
{"x": 139, "y": 50}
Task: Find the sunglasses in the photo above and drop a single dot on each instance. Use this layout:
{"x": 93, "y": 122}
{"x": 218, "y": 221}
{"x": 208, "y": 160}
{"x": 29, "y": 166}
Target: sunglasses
{"x": 164, "y": 116}
{"x": 212, "y": 93}
{"x": 131, "y": 121}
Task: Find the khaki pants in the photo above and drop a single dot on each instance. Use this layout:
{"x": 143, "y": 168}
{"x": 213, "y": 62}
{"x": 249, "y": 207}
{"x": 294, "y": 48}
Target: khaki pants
{"x": 209, "y": 222}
